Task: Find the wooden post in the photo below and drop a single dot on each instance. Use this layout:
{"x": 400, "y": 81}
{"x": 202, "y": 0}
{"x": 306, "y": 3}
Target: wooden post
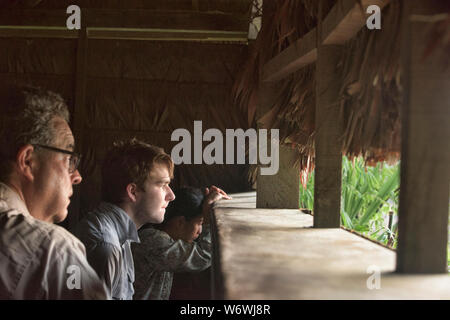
{"x": 328, "y": 143}
{"x": 282, "y": 189}
{"x": 79, "y": 119}
{"x": 425, "y": 169}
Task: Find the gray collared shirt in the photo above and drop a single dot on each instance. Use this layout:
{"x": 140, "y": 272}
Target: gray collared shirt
{"x": 107, "y": 233}
{"x": 159, "y": 256}
{"x": 40, "y": 260}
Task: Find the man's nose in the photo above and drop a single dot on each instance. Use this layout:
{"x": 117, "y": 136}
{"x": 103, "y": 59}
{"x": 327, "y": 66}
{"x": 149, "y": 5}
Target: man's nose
{"x": 170, "y": 195}
{"x": 76, "y": 177}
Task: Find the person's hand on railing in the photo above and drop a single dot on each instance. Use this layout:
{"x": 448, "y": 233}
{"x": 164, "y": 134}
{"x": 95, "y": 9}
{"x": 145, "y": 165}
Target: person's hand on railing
{"x": 212, "y": 195}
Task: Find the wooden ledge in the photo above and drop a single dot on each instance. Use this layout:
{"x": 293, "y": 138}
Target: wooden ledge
{"x": 276, "y": 254}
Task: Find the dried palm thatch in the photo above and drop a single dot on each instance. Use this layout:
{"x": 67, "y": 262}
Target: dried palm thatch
{"x": 284, "y": 22}
{"x": 371, "y": 91}
{"x": 294, "y": 114}
{"x": 370, "y": 96}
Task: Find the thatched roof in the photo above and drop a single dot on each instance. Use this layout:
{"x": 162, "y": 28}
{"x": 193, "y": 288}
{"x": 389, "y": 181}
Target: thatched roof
{"x": 371, "y": 91}
{"x": 284, "y": 22}
{"x": 371, "y": 87}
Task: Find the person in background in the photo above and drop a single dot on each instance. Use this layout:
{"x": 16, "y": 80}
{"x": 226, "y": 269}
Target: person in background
{"x": 135, "y": 191}
{"x": 38, "y": 167}
{"x": 181, "y": 243}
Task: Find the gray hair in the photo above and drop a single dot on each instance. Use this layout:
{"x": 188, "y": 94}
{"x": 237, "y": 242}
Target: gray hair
{"x": 26, "y": 116}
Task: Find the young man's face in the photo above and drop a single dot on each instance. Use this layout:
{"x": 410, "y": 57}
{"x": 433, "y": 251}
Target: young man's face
{"x": 153, "y": 200}
{"x": 191, "y": 229}
{"x": 52, "y": 182}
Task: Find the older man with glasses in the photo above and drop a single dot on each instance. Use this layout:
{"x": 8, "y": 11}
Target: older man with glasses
{"x": 38, "y": 259}
{"x": 74, "y": 159}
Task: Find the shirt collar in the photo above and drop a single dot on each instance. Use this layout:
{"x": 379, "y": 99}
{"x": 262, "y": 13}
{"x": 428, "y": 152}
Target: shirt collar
{"x": 12, "y": 199}
{"x": 126, "y": 228}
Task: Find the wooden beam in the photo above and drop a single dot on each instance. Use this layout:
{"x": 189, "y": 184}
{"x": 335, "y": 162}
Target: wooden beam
{"x": 79, "y": 118}
{"x": 345, "y": 19}
{"x": 37, "y": 32}
{"x": 296, "y": 56}
{"x": 425, "y": 159}
{"x": 328, "y": 143}
{"x": 33, "y": 17}
{"x": 124, "y": 34}
{"x": 129, "y": 18}
{"x": 167, "y": 35}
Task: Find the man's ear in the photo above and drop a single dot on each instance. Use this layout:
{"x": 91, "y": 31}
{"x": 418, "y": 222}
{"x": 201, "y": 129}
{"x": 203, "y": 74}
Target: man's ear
{"x": 131, "y": 191}
{"x": 26, "y": 161}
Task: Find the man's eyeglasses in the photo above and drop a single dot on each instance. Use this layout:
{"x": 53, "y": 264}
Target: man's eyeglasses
{"x": 74, "y": 160}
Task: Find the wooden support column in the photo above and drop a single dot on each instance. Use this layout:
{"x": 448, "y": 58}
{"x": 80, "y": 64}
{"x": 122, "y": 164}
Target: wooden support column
{"x": 328, "y": 156}
{"x": 282, "y": 189}
{"x": 80, "y": 87}
{"x": 78, "y": 119}
{"x": 425, "y": 169}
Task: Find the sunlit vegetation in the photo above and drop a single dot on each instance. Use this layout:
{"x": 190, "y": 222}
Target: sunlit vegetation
{"x": 369, "y": 203}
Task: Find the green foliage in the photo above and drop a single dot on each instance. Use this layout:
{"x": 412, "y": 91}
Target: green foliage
{"x": 369, "y": 202}
{"x": 369, "y": 199}
{"x": 307, "y": 195}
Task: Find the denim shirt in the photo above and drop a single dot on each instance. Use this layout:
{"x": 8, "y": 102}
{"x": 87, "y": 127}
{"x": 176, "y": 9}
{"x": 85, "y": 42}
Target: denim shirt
{"x": 107, "y": 233}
